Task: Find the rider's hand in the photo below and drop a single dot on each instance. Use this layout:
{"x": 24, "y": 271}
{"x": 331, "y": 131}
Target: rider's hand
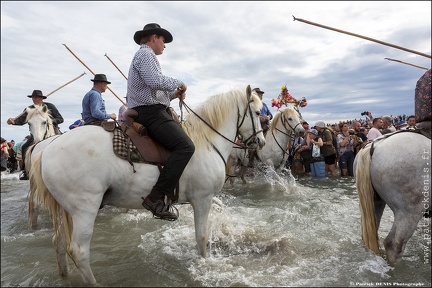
{"x": 181, "y": 91}
{"x": 11, "y": 121}
{"x": 113, "y": 116}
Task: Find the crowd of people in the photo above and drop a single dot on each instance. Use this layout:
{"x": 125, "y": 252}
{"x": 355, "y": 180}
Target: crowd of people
{"x": 339, "y": 143}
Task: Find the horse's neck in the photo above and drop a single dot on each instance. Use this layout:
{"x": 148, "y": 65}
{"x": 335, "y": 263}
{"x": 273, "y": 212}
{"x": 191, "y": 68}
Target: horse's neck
{"x": 229, "y": 131}
{"x": 276, "y": 143}
{"x": 221, "y": 141}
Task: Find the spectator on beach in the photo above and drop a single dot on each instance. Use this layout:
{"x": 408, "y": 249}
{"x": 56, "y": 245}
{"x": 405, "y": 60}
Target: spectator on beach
{"x": 297, "y": 161}
{"x": 388, "y": 126}
{"x": 266, "y": 116}
{"x": 37, "y": 98}
{"x": 18, "y": 150}
{"x": 401, "y": 125}
{"x": 346, "y": 143}
{"x": 305, "y": 152}
{"x": 411, "y": 123}
{"x": 4, "y": 154}
{"x": 375, "y": 132}
{"x": 12, "y": 161}
{"x": 93, "y": 105}
{"x": 317, "y": 162}
{"x": 327, "y": 150}
{"x": 361, "y": 136}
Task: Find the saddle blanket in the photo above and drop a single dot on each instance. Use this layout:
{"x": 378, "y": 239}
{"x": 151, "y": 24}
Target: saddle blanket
{"x": 121, "y": 147}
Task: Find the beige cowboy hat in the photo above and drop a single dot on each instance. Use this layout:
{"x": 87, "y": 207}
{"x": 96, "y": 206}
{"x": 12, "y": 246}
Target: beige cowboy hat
{"x": 152, "y": 28}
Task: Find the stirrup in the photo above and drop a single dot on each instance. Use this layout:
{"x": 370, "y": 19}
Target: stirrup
{"x": 169, "y": 207}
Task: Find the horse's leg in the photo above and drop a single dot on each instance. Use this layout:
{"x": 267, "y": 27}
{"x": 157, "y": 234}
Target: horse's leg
{"x": 33, "y": 213}
{"x": 242, "y": 172}
{"x": 379, "y": 209}
{"x": 79, "y": 249}
{"x": 59, "y": 241}
{"x": 201, "y": 212}
{"x": 231, "y": 164}
{"x": 404, "y": 225}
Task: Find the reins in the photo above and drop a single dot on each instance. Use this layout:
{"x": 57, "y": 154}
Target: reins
{"x": 247, "y": 107}
{"x": 211, "y": 127}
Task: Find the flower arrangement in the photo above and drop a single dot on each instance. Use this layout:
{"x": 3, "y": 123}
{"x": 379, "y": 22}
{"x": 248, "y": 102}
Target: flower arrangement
{"x": 285, "y": 97}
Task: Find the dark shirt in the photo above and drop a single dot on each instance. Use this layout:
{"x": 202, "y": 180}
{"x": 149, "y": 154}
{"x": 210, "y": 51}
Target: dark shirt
{"x": 56, "y": 117}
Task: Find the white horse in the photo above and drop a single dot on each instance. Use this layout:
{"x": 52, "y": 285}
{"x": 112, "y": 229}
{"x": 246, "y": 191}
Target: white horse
{"x": 74, "y": 198}
{"x": 286, "y": 124}
{"x": 398, "y": 175}
{"x": 42, "y": 129}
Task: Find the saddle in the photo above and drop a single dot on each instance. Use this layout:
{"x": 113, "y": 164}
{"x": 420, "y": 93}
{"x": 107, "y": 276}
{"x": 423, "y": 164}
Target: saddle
{"x": 132, "y": 142}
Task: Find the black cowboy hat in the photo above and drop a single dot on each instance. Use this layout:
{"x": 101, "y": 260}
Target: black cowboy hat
{"x": 258, "y": 90}
{"x": 152, "y": 28}
{"x": 37, "y": 93}
{"x": 100, "y": 78}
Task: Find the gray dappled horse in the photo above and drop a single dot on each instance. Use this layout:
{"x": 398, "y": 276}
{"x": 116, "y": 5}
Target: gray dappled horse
{"x": 398, "y": 175}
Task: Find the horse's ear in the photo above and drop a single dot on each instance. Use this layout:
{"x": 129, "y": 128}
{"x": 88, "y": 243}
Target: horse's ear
{"x": 44, "y": 108}
{"x": 248, "y": 92}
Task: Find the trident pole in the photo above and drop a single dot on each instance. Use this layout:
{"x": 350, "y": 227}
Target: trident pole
{"x": 115, "y": 66}
{"x": 421, "y": 67}
{"x": 364, "y": 37}
{"x": 93, "y": 73}
{"x": 66, "y": 84}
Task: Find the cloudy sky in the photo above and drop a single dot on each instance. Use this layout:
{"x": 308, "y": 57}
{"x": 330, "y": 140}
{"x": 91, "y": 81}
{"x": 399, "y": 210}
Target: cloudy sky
{"x": 219, "y": 46}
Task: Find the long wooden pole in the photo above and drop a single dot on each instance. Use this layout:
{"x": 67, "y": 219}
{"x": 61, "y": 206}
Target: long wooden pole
{"x": 116, "y": 66}
{"x": 364, "y": 37}
{"x": 92, "y": 73}
{"x": 65, "y": 84}
{"x": 407, "y": 63}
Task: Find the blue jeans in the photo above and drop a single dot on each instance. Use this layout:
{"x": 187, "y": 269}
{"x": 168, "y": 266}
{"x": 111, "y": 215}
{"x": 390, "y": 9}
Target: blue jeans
{"x": 161, "y": 127}
{"x": 346, "y": 161}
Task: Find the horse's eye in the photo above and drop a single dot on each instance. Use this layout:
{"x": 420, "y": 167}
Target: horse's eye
{"x": 44, "y": 123}
{"x": 290, "y": 119}
{"x": 258, "y": 113}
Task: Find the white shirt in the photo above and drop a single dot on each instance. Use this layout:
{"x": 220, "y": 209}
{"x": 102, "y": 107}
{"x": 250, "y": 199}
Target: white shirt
{"x": 373, "y": 134}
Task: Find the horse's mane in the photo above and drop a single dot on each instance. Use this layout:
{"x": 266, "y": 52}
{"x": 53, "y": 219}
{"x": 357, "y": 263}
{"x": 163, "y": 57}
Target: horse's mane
{"x": 215, "y": 111}
{"x": 276, "y": 118}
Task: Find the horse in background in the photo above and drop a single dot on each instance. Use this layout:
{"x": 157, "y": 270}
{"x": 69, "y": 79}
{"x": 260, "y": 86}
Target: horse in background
{"x": 74, "y": 198}
{"x": 42, "y": 129}
{"x": 286, "y": 124}
{"x": 393, "y": 170}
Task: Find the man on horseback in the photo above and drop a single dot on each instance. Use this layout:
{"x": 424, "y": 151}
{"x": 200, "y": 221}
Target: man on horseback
{"x": 93, "y": 105}
{"x": 266, "y": 114}
{"x": 149, "y": 92}
{"x": 37, "y": 97}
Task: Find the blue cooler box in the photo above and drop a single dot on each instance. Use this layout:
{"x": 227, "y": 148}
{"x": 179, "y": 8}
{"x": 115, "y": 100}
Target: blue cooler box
{"x": 318, "y": 169}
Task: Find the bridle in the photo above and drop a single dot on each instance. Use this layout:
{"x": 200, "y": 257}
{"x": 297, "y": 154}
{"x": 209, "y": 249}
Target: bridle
{"x": 290, "y": 133}
{"x": 249, "y": 141}
{"x": 47, "y": 128}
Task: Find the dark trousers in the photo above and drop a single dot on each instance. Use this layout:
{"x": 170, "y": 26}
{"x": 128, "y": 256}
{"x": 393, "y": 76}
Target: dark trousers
{"x": 24, "y": 148}
{"x": 161, "y": 126}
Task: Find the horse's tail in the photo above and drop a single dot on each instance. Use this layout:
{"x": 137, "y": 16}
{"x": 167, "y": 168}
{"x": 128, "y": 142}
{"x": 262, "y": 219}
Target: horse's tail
{"x": 62, "y": 222}
{"x": 27, "y": 162}
{"x": 366, "y": 200}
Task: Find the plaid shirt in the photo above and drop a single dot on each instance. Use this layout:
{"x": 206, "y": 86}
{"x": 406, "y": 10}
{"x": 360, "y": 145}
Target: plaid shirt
{"x": 146, "y": 83}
